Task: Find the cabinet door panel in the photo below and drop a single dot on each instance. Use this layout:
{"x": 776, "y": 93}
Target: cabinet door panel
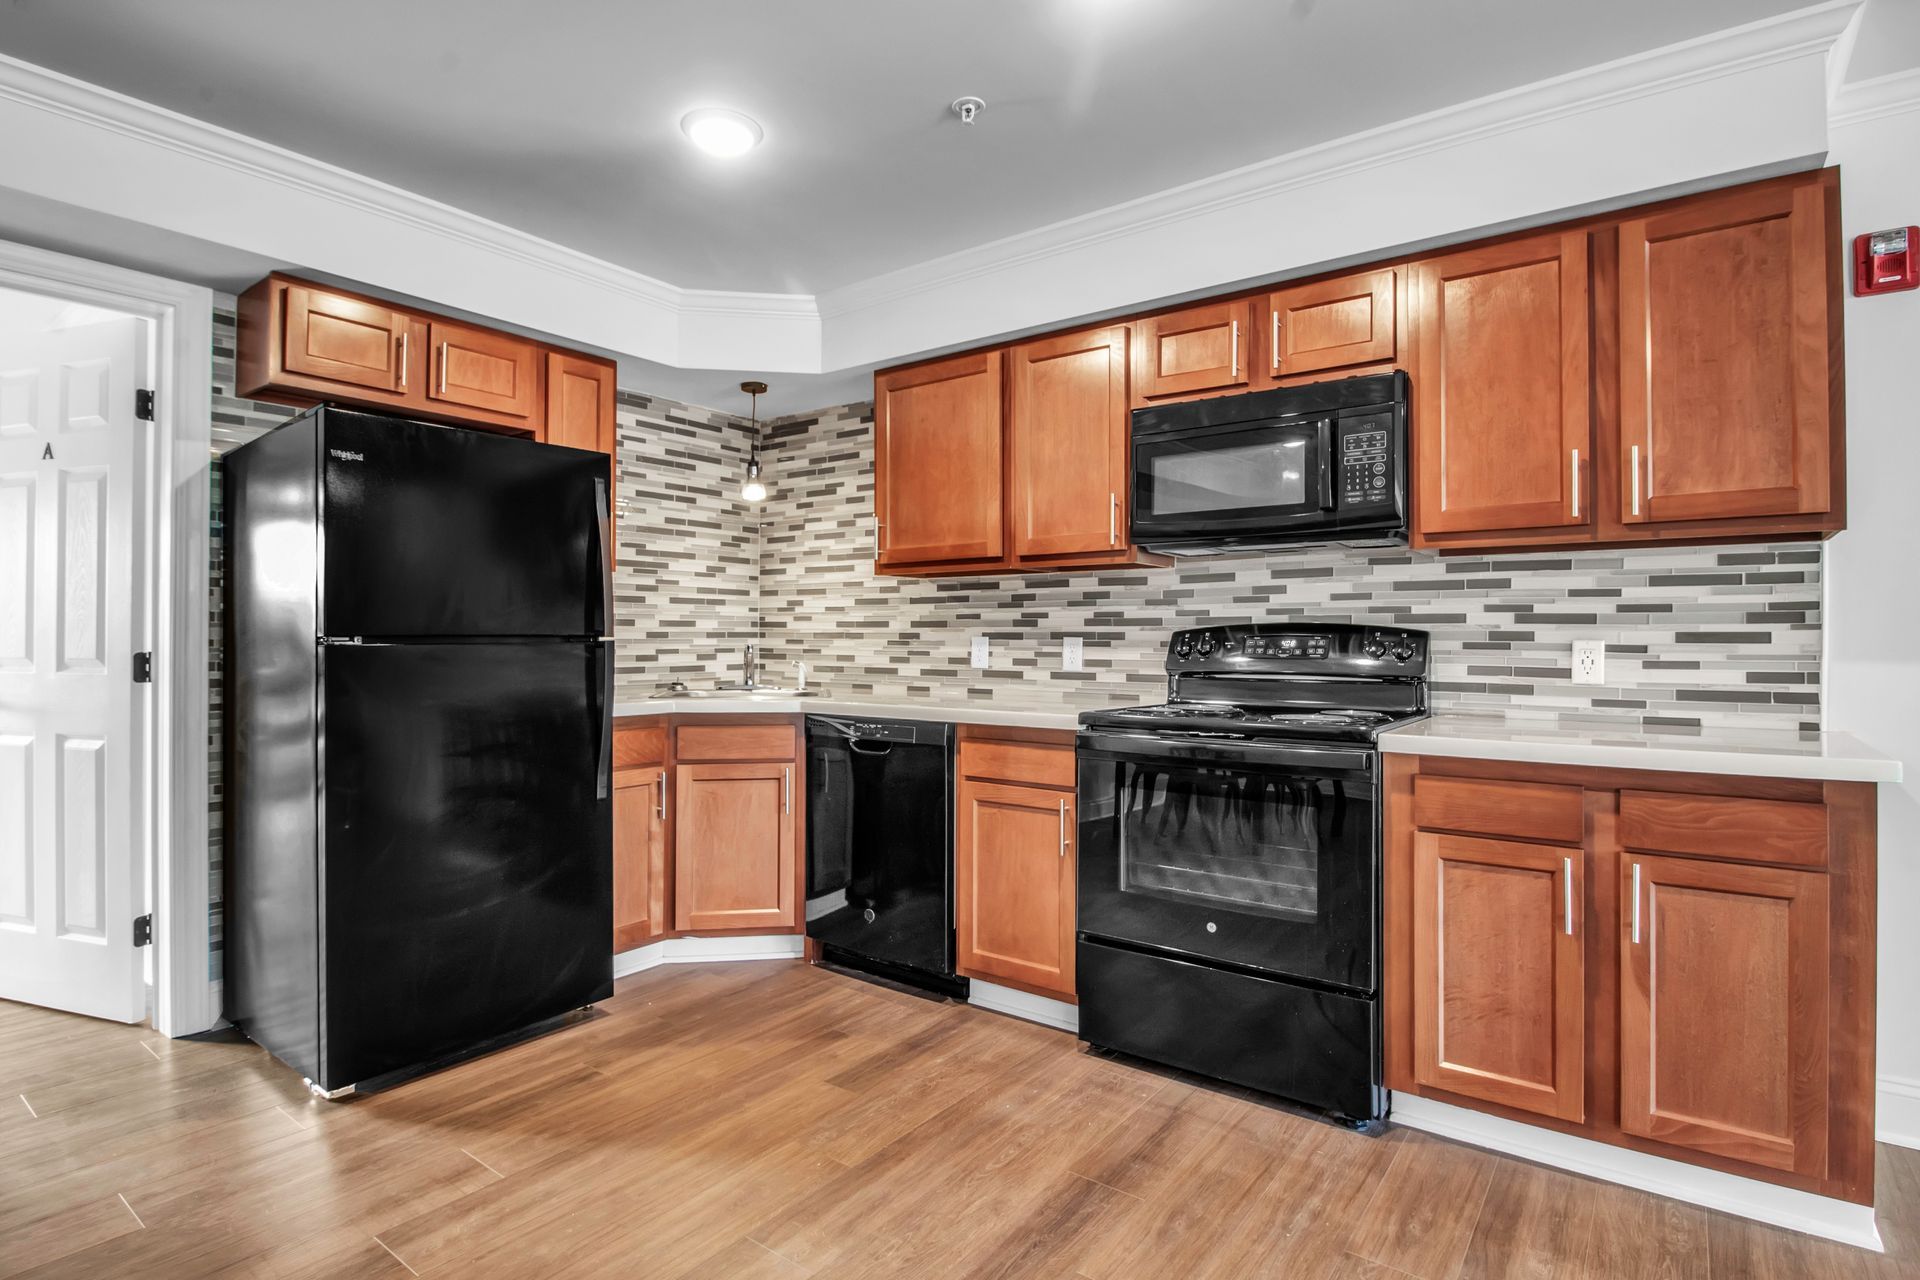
{"x": 1188, "y": 352}
{"x": 1724, "y": 358}
{"x": 580, "y": 403}
{"x": 1499, "y": 974}
{"x": 733, "y": 851}
{"x": 1501, "y": 419}
{"x": 344, "y": 340}
{"x": 1068, "y": 433}
{"x": 1013, "y": 858}
{"x": 1723, "y": 1010}
{"x": 484, "y": 370}
{"x": 639, "y": 857}
{"x": 937, "y": 462}
{"x": 1332, "y": 324}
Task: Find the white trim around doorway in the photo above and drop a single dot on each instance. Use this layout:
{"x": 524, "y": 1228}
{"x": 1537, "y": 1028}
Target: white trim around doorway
{"x": 171, "y": 799}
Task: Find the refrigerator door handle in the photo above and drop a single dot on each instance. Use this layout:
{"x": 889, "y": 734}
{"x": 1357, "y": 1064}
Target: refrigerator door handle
{"x": 603, "y": 766}
{"x": 600, "y": 543}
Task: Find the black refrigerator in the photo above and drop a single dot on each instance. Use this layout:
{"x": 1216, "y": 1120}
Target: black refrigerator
{"x": 419, "y": 779}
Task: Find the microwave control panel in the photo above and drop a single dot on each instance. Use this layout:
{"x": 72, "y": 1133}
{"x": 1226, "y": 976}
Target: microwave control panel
{"x": 1366, "y": 461}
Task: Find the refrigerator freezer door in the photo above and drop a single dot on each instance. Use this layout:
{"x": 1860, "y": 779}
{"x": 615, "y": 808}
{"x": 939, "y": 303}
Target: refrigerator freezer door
{"x": 467, "y": 846}
{"x": 439, "y": 531}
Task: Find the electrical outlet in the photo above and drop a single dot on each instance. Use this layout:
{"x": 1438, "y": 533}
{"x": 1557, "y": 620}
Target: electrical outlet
{"x": 980, "y": 653}
{"x": 1589, "y": 662}
{"x": 1073, "y": 655}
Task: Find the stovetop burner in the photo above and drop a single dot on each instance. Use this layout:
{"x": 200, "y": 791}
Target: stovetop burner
{"x": 1347, "y": 724}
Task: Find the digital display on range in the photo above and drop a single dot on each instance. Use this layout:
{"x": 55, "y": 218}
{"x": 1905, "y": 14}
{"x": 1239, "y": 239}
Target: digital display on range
{"x": 1286, "y": 647}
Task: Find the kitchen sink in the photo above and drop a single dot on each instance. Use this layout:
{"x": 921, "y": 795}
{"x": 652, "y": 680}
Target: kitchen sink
{"x": 758, "y": 691}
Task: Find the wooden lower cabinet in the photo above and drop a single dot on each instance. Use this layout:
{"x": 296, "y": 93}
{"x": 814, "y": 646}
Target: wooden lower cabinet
{"x": 1687, "y": 971}
{"x": 1723, "y": 1010}
{"x": 708, "y": 816}
{"x": 639, "y": 856}
{"x": 1014, "y": 865}
{"x": 1499, "y": 972}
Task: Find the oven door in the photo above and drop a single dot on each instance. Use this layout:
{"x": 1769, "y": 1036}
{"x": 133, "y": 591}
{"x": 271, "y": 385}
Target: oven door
{"x": 1242, "y": 477}
{"x": 1261, "y": 856}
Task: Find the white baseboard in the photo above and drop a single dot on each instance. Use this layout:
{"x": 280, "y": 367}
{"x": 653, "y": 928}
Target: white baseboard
{"x": 1021, "y": 1004}
{"x": 1897, "y": 1112}
{"x": 773, "y": 946}
{"x": 1762, "y": 1201}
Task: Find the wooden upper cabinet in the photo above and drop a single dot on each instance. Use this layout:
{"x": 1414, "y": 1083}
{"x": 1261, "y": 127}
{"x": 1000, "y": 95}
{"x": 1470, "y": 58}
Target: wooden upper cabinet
{"x": 938, "y": 454}
{"x": 1198, "y": 351}
{"x": 1727, "y": 347}
{"x": 482, "y": 369}
{"x": 1331, "y": 324}
{"x": 639, "y": 856}
{"x": 580, "y": 403}
{"x": 346, "y": 339}
{"x": 735, "y": 837}
{"x": 1498, "y": 970}
{"x": 1014, "y": 896}
{"x": 1068, "y": 438}
{"x": 1724, "y": 1010}
{"x": 1501, "y": 388}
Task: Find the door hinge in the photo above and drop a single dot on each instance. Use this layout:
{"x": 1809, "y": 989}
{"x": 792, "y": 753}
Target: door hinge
{"x": 143, "y": 405}
{"x": 142, "y": 931}
{"x": 143, "y": 668}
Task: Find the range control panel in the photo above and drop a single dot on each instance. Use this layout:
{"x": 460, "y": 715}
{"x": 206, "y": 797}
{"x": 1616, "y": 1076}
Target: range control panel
{"x": 1332, "y": 648}
{"x": 1366, "y": 461}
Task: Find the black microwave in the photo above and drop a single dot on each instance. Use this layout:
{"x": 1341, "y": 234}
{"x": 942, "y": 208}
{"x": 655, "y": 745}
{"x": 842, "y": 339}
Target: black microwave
{"x": 1326, "y": 462}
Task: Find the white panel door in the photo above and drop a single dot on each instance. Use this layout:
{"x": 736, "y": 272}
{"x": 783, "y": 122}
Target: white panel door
{"x": 72, "y": 853}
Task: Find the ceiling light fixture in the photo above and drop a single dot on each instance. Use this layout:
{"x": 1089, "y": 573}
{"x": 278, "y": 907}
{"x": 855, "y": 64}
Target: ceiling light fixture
{"x": 720, "y": 132}
{"x": 754, "y": 490}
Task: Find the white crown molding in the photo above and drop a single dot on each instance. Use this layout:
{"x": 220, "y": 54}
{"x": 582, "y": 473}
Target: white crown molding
{"x": 1657, "y": 71}
{"x": 1875, "y": 99}
{"x": 1039, "y": 278}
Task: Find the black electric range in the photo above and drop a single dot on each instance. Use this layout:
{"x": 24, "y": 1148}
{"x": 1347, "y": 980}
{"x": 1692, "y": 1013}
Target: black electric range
{"x": 1229, "y": 877}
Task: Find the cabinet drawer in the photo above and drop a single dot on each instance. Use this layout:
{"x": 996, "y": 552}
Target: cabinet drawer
{"x": 734, "y": 742}
{"x": 638, "y": 745}
{"x": 1784, "y": 832}
{"x": 1021, "y": 762}
{"x": 1525, "y": 810}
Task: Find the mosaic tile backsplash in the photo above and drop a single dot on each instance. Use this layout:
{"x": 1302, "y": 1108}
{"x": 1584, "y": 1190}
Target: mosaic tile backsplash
{"x": 1695, "y": 637}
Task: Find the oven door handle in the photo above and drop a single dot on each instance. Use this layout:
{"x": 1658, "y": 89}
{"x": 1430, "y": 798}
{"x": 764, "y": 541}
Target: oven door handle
{"x": 1264, "y": 754}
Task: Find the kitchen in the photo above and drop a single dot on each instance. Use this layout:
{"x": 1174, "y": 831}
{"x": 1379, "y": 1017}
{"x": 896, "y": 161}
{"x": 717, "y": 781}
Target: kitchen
{"x": 969, "y": 540}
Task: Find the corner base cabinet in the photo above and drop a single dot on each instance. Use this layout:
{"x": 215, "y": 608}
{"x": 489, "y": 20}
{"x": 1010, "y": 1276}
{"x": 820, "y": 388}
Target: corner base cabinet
{"x": 1680, "y": 964}
{"x": 1014, "y": 860}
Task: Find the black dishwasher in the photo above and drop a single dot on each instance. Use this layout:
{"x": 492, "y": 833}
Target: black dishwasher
{"x": 880, "y": 847}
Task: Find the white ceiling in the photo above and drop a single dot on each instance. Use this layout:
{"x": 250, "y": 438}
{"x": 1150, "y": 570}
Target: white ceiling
{"x": 569, "y": 128}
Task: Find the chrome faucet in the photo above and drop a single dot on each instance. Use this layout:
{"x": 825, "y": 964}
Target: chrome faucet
{"x": 749, "y": 669}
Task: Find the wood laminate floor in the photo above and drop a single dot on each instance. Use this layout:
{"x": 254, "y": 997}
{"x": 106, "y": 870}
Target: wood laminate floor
{"x": 774, "y": 1120}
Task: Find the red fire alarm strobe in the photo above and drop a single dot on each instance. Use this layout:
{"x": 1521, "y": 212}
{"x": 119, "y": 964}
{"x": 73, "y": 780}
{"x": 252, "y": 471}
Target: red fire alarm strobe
{"x": 1886, "y": 261}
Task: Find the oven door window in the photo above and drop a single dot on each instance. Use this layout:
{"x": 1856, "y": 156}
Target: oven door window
{"x": 1268, "y": 868}
{"x": 1227, "y": 477}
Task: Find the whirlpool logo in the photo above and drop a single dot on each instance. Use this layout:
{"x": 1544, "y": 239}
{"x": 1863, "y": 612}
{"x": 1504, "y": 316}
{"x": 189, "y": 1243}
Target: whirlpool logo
{"x": 348, "y": 455}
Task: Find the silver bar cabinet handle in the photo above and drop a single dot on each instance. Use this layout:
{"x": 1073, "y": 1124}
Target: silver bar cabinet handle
{"x": 1276, "y": 342}
{"x": 1113, "y": 519}
{"x": 1636, "y": 903}
{"x": 443, "y": 368}
{"x": 1233, "y": 350}
{"x": 1636, "y": 479}
{"x": 663, "y": 795}
{"x": 1063, "y": 828}
{"x": 405, "y": 334}
{"x": 786, "y": 789}
{"x": 1576, "y": 484}
{"x": 1566, "y": 873}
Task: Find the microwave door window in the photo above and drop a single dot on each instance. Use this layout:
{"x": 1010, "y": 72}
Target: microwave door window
{"x": 1229, "y": 479}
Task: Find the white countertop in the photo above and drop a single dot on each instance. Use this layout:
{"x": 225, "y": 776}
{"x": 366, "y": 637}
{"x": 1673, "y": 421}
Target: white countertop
{"x": 1002, "y": 710}
{"x": 1825, "y": 757}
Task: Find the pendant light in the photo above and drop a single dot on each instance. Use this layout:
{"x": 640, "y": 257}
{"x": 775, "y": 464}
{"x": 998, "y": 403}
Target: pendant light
{"x": 754, "y": 490}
